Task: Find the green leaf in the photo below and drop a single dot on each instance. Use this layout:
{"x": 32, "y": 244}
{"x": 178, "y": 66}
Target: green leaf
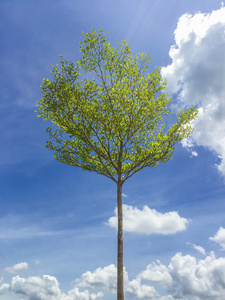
{"x": 116, "y": 121}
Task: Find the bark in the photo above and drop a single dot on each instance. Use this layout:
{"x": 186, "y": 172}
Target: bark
{"x": 120, "y": 292}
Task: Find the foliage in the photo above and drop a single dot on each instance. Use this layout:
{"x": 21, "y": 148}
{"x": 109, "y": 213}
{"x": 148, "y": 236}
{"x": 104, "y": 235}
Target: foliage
{"x": 111, "y": 115}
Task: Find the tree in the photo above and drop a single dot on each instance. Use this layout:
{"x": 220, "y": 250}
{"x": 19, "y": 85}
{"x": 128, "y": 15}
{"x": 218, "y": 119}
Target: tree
{"x": 111, "y": 121}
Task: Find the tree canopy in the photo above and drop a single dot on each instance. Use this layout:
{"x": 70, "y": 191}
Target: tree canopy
{"x": 113, "y": 120}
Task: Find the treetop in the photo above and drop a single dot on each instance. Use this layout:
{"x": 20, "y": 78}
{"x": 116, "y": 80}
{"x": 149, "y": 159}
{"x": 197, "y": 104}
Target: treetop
{"x": 111, "y": 114}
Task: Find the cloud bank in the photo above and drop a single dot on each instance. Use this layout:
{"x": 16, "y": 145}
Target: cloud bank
{"x": 197, "y": 75}
{"x": 185, "y": 277}
{"x": 44, "y": 288}
{"x": 149, "y": 221}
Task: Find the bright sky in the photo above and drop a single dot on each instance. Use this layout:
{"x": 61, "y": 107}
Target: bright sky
{"x": 58, "y": 223}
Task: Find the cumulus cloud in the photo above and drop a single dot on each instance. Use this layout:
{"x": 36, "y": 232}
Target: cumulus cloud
{"x": 185, "y": 276}
{"x": 3, "y": 287}
{"x": 156, "y": 272}
{"x": 197, "y": 74}
{"x": 45, "y": 288}
{"x": 75, "y": 294}
{"x": 136, "y": 290}
{"x": 106, "y": 278}
{"x": 149, "y": 221}
{"x": 102, "y": 277}
{"x": 17, "y": 268}
{"x": 219, "y": 237}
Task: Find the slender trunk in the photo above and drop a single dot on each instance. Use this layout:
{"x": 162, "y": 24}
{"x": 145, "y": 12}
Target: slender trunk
{"x": 120, "y": 292}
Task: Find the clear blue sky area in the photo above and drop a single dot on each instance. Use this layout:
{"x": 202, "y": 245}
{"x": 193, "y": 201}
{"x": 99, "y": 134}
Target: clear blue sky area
{"x": 57, "y": 223}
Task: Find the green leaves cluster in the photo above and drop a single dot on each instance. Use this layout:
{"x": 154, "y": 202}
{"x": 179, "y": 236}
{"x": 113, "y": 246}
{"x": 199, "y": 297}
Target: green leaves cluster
{"x": 111, "y": 122}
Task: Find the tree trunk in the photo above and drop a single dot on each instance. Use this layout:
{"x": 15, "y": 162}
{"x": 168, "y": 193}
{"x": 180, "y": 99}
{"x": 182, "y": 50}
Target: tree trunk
{"x": 120, "y": 292}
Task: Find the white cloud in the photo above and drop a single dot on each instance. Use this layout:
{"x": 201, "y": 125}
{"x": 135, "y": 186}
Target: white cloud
{"x": 197, "y": 74}
{"x": 185, "y": 277}
{"x": 46, "y": 288}
{"x": 156, "y": 272}
{"x": 149, "y": 221}
{"x": 17, "y": 268}
{"x": 199, "y": 249}
{"x": 204, "y": 278}
{"x": 4, "y": 288}
{"x": 75, "y": 294}
{"x": 102, "y": 278}
{"x": 219, "y": 238}
{"x": 106, "y": 278}
{"x": 136, "y": 290}
{"x": 43, "y": 288}
{"x": 194, "y": 153}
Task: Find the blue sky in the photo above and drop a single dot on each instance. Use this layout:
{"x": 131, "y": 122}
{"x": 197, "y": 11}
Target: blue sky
{"x": 57, "y": 223}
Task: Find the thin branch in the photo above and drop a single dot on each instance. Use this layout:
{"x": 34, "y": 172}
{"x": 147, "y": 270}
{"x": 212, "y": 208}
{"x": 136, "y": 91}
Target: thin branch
{"x": 91, "y": 170}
